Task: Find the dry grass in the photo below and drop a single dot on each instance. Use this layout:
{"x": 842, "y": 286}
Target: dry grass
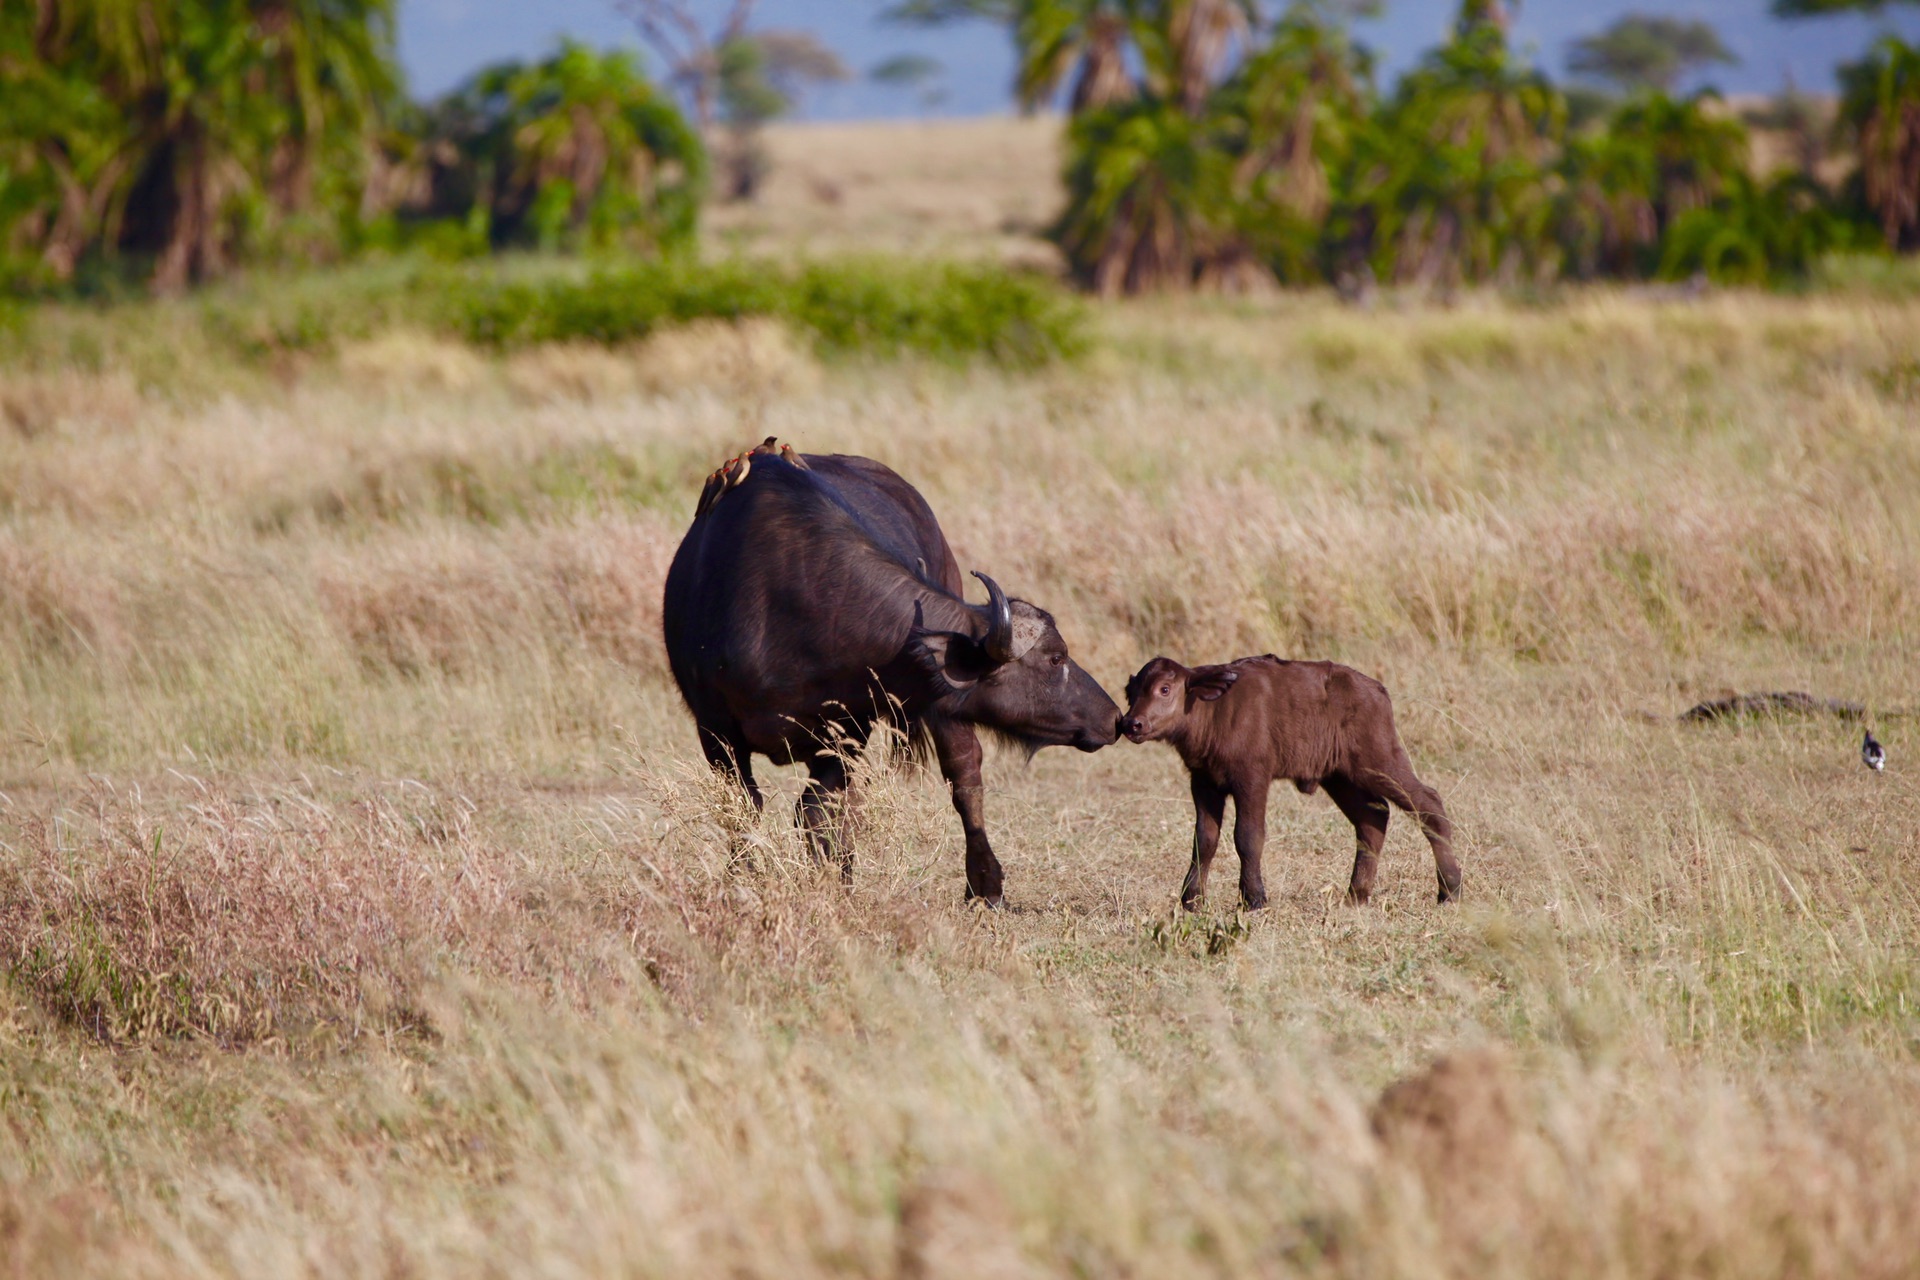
{"x": 364, "y": 911}
{"x": 985, "y": 187}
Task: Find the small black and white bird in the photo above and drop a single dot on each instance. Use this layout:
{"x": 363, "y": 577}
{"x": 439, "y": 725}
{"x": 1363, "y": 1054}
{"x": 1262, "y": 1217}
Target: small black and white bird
{"x": 1872, "y": 754}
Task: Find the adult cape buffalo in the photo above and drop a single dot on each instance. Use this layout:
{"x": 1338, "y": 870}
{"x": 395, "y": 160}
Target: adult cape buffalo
{"x": 815, "y": 596}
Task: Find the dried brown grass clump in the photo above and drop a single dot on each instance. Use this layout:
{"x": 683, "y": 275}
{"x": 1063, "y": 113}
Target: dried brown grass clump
{"x": 450, "y": 607}
{"x": 221, "y": 934}
{"x": 405, "y": 360}
{"x": 51, "y": 606}
{"x": 955, "y": 1223}
{"x": 562, "y": 371}
{"x": 36, "y": 404}
{"x": 1580, "y": 1171}
{"x": 608, "y": 578}
{"x": 756, "y": 355}
{"x": 248, "y": 919}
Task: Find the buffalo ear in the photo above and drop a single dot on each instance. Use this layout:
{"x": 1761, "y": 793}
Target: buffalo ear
{"x": 951, "y": 662}
{"x": 1209, "y": 683}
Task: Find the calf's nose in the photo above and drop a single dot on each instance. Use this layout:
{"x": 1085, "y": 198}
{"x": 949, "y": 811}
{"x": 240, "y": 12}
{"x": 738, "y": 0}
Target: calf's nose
{"x": 1129, "y": 725}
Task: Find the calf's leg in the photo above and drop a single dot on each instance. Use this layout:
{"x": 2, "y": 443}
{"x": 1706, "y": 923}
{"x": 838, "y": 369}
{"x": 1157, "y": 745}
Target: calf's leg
{"x": 1250, "y": 838}
{"x": 1400, "y": 785}
{"x": 1369, "y": 815}
{"x": 1432, "y": 816}
{"x": 1209, "y": 806}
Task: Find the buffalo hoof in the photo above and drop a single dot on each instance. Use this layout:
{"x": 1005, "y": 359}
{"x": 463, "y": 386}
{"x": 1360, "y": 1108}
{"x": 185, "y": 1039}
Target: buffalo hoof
{"x": 1359, "y": 897}
{"x": 991, "y": 901}
{"x": 1253, "y": 902}
{"x": 1189, "y": 904}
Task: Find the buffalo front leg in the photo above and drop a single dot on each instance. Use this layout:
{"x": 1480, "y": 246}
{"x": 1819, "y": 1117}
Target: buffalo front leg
{"x": 732, "y": 757}
{"x": 1209, "y": 806}
{"x": 822, "y": 812}
{"x": 958, "y": 748}
{"x": 1369, "y": 814}
{"x": 1250, "y": 839}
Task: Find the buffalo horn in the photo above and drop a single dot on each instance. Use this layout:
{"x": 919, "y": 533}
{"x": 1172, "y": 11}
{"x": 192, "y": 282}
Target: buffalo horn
{"x": 999, "y": 641}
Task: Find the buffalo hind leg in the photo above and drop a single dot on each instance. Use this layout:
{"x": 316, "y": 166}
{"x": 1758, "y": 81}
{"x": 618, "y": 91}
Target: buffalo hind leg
{"x": 1369, "y": 815}
{"x": 1209, "y": 806}
{"x": 821, "y": 812}
{"x": 958, "y": 749}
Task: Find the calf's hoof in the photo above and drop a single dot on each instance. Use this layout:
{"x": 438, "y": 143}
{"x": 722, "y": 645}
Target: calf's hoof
{"x": 1253, "y": 901}
{"x": 991, "y": 901}
{"x": 1449, "y": 893}
{"x": 1359, "y": 897}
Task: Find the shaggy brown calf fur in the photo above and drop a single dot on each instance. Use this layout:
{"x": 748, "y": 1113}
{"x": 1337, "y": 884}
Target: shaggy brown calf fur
{"x": 1245, "y": 725}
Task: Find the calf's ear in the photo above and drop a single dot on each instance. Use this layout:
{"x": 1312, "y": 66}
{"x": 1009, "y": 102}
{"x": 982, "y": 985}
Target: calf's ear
{"x": 1209, "y": 683}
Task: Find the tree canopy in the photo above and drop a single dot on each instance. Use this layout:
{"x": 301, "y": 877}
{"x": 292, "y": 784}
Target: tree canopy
{"x": 1647, "y": 52}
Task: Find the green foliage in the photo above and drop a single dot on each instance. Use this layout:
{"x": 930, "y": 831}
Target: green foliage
{"x": 1646, "y": 52}
{"x": 1287, "y": 164}
{"x": 1290, "y": 116}
{"x": 1148, "y": 194}
{"x": 1449, "y": 179}
{"x": 948, "y": 312}
{"x": 1880, "y": 105}
{"x": 1171, "y": 183}
{"x": 1656, "y": 160}
{"x": 1754, "y": 232}
{"x": 578, "y": 151}
{"x": 182, "y": 133}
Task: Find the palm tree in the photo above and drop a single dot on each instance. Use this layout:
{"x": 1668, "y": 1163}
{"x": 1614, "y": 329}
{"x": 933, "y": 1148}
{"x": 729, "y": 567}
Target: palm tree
{"x": 1880, "y": 106}
{"x": 1149, "y": 198}
{"x": 1451, "y": 180}
{"x": 1289, "y": 115}
{"x": 590, "y": 136}
{"x": 580, "y": 147}
{"x": 165, "y": 126}
{"x": 1082, "y": 40}
{"x": 1657, "y": 160}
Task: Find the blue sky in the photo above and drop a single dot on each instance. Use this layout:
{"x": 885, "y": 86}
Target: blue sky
{"x": 442, "y": 41}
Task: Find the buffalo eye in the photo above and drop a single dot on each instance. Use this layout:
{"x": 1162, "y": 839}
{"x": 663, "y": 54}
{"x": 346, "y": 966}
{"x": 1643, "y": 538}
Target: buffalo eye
{"x": 1059, "y": 659}
{"x": 1166, "y": 690}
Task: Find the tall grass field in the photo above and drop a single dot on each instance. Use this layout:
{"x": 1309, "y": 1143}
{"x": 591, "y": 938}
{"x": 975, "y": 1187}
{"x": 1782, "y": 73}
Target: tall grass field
{"x": 365, "y": 909}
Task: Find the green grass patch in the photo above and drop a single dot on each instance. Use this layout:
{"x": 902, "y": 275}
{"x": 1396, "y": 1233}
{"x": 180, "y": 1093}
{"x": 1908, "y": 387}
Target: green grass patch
{"x": 856, "y": 306}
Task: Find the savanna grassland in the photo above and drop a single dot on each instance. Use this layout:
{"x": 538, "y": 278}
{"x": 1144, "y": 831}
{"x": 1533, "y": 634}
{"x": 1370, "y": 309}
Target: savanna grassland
{"x": 363, "y": 909}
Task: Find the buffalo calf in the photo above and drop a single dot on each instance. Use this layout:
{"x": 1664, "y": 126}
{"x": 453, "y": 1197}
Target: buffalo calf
{"x": 1244, "y": 725}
